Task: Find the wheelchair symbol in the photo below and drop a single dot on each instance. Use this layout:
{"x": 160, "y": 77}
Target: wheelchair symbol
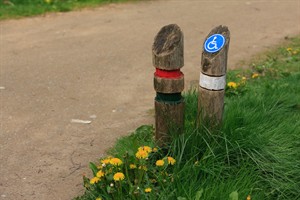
{"x": 214, "y": 43}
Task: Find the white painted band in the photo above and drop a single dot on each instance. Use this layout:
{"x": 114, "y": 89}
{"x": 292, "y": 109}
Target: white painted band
{"x": 211, "y": 82}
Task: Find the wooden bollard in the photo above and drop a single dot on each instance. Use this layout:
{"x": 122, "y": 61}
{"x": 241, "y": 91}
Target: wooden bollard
{"x": 167, "y": 57}
{"x": 213, "y": 77}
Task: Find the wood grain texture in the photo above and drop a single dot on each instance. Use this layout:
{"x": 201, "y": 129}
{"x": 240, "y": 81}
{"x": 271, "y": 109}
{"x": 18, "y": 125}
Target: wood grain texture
{"x": 169, "y": 119}
{"x": 210, "y": 106}
{"x": 168, "y": 86}
{"x": 167, "y": 49}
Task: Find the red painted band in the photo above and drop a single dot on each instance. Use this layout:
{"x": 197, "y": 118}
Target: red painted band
{"x": 168, "y": 74}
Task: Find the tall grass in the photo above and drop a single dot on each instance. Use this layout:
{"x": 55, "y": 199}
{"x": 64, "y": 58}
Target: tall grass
{"x": 255, "y": 151}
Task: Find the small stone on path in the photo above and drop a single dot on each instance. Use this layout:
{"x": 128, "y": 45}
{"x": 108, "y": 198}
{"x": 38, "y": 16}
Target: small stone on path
{"x": 79, "y": 121}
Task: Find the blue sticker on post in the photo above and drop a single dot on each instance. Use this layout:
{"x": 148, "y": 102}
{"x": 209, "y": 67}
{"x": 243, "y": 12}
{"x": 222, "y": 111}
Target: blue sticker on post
{"x": 214, "y": 43}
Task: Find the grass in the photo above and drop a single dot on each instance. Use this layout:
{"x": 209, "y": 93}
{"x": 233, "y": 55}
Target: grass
{"x": 256, "y": 152}
{"x": 23, "y": 8}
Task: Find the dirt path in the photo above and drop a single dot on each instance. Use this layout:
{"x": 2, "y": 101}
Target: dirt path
{"x": 96, "y": 65}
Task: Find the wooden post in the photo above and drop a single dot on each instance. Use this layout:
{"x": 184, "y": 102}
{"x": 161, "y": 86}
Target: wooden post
{"x": 213, "y": 77}
{"x": 167, "y": 57}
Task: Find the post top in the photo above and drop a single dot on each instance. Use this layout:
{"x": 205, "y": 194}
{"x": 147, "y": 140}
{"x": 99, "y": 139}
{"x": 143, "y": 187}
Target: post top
{"x": 166, "y": 40}
{"x": 215, "y": 51}
{"x": 167, "y": 49}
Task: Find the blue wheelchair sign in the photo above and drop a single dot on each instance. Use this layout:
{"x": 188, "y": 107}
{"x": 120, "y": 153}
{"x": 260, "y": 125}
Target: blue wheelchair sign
{"x": 214, "y": 43}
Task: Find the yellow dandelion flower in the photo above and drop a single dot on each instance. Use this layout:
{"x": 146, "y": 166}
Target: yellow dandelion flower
{"x": 255, "y": 75}
{"x": 145, "y": 148}
{"x": 160, "y": 163}
{"x": 154, "y": 149}
{"x": 132, "y": 166}
{"x": 148, "y": 190}
{"x": 48, "y": 1}
{"x": 100, "y": 174}
{"x": 119, "y": 176}
{"x": 106, "y": 160}
{"x": 294, "y": 52}
{"x": 141, "y": 154}
{"x": 289, "y": 49}
{"x": 99, "y": 198}
{"x": 248, "y": 197}
{"x": 171, "y": 161}
{"x": 244, "y": 78}
{"x": 232, "y": 85}
{"x": 116, "y": 161}
{"x": 94, "y": 180}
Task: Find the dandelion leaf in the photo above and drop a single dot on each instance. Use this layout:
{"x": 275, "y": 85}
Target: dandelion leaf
{"x": 94, "y": 168}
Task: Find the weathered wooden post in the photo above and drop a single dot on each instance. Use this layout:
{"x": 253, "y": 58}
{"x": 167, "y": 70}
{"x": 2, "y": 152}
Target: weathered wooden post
{"x": 213, "y": 77}
{"x": 167, "y": 57}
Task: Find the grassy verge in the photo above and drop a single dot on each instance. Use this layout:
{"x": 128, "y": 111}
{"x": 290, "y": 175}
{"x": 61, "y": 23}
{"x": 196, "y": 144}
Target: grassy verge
{"x": 254, "y": 155}
{"x": 24, "y": 8}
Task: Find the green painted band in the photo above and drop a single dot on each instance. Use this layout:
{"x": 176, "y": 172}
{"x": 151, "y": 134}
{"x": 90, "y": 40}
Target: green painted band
{"x": 169, "y": 98}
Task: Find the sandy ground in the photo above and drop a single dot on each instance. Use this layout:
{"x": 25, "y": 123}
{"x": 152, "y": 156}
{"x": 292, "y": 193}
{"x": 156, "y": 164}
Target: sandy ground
{"x": 95, "y": 65}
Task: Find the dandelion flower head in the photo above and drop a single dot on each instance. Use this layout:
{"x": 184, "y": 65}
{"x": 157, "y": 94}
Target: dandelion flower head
{"x": 160, "y": 163}
{"x": 116, "y": 161}
{"x": 106, "y": 160}
{"x": 141, "y": 154}
{"x": 100, "y": 174}
{"x": 119, "y": 176}
{"x": 232, "y": 85}
{"x": 145, "y": 148}
{"x": 171, "y": 161}
{"x": 148, "y": 190}
{"x": 94, "y": 180}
